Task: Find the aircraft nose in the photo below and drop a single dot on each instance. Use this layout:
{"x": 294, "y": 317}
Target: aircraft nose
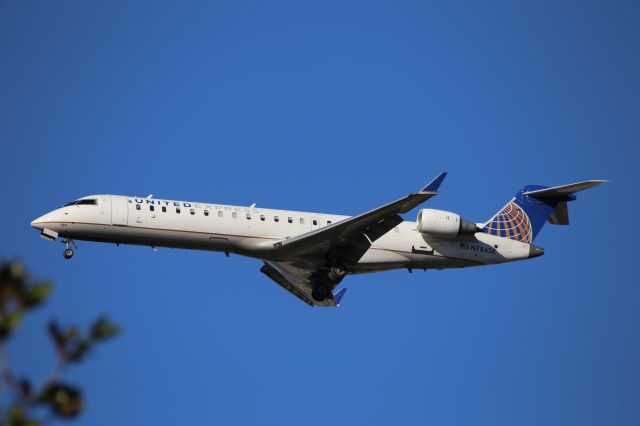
{"x": 535, "y": 251}
{"x": 39, "y": 222}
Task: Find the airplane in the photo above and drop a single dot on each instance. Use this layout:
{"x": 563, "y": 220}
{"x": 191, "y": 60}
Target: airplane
{"x": 309, "y": 254}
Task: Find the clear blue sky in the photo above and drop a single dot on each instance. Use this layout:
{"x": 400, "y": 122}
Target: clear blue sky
{"x": 337, "y": 107}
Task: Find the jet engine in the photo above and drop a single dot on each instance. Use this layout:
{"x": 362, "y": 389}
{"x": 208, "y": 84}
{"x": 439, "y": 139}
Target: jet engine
{"x": 443, "y": 224}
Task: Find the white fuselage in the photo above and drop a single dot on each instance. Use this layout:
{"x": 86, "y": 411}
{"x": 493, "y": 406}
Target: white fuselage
{"x": 251, "y": 231}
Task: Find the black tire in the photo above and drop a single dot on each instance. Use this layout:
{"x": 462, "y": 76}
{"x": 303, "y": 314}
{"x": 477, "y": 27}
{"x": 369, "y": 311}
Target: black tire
{"x": 337, "y": 273}
{"x": 319, "y": 293}
{"x": 68, "y": 253}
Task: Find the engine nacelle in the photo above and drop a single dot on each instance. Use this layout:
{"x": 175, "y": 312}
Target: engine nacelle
{"x": 443, "y": 224}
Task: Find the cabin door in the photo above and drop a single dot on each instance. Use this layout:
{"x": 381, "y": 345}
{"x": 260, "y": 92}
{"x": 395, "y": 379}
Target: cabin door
{"x": 118, "y": 210}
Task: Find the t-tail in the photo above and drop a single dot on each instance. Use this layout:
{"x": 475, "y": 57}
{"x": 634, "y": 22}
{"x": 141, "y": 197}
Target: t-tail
{"x": 523, "y": 217}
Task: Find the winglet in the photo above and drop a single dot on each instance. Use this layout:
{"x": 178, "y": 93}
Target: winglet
{"x": 339, "y": 294}
{"x": 435, "y": 184}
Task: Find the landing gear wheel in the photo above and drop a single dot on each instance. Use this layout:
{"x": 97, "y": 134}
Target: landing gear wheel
{"x": 68, "y": 252}
{"x": 319, "y": 293}
{"x": 337, "y": 273}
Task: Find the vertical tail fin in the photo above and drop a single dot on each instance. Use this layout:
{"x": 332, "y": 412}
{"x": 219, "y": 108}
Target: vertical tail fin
{"x": 524, "y": 216}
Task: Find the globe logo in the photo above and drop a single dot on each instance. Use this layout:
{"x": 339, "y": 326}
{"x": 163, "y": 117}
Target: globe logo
{"x": 512, "y": 222}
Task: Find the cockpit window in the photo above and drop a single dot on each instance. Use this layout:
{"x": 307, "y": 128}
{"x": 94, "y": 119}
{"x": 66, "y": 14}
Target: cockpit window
{"x": 86, "y": 202}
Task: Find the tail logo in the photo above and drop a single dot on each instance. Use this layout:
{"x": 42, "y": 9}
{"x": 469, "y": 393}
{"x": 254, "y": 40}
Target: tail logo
{"x": 511, "y": 222}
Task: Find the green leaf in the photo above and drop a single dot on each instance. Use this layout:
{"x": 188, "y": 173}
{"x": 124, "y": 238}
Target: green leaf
{"x": 36, "y": 294}
{"x": 16, "y": 270}
{"x": 103, "y": 329}
{"x": 17, "y": 416}
{"x": 9, "y": 322}
{"x": 64, "y": 400}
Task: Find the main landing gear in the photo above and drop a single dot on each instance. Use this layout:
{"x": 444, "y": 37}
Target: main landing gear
{"x": 320, "y": 292}
{"x": 327, "y": 281}
{"x": 68, "y": 252}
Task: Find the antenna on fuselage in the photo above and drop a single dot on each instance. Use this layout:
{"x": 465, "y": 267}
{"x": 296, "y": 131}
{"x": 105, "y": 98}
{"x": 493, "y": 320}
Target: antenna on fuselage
{"x": 150, "y": 196}
{"x": 252, "y": 205}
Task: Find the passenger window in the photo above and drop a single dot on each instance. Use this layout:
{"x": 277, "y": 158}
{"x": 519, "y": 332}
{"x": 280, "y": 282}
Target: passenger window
{"x": 206, "y": 212}
{"x": 164, "y": 209}
{"x": 219, "y": 213}
{"x": 301, "y": 221}
{"x": 151, "y": 208}
{"x": 178, "y": 210}
{"x": 192, "y": 211}
{"x": 290, "y": 219}
{"x": 248, "y": 216}
{"x": 137, "y": 206}
{"x": 262, "y": 217}
{"x": 234, "y": 215}
{"x": 315, "y": 222}
{"x": 276, "y": 219}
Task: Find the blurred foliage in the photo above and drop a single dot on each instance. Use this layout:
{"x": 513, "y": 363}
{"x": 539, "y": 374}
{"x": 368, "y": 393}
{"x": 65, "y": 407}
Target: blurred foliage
{"x": 23, "y": 404}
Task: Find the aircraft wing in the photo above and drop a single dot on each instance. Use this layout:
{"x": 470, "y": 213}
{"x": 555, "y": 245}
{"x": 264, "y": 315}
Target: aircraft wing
{"x": 304, "y": 260}
{"x": 346, "y": 241}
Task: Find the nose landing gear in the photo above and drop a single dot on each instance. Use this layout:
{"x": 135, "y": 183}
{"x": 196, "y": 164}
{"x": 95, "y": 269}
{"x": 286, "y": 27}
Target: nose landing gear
{"x": 68, "y": 252}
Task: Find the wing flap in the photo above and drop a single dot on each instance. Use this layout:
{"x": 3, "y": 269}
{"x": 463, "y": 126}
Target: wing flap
{"x": 279, "y": 279}
{"x": 299, "y": 286}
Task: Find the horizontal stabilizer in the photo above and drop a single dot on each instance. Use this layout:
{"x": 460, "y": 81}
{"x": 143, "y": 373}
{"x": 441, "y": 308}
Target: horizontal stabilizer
{"x": 564, "y": 190}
